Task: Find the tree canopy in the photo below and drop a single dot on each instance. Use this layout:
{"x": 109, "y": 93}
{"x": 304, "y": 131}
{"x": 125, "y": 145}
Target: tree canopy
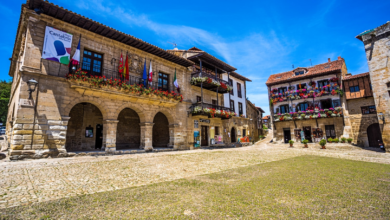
{"x": 5, "y": 93}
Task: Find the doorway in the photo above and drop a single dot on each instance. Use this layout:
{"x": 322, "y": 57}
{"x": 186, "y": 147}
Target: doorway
{"x": 329, "y": 131}
{"x": 374, "y": 135}
{"x": 287, "y": 134}
{"x": 233, "y": 135}
{"x": 307, "y": 133}
{"x": 99, "y": 136}
{"x": 204, "y": 136}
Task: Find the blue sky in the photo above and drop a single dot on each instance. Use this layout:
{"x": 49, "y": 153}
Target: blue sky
{"x": 259, "y": 38}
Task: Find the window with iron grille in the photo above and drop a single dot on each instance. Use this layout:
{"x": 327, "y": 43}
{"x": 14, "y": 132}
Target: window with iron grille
{"x": 368, "y": 110}
{"x": 163, "y": 81}
{"x": 92, "y": 63}
{"x": 240, "y": 108}
{"x": 239, "y": 94}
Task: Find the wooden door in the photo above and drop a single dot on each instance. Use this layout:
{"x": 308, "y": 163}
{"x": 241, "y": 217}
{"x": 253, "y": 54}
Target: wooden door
{"x": 233, "y": 135}
{"x": 204, "y": 136}
{"x": 330, "y": 132}
{"x": 374, "y": 135}
{"x": 287, "y": 135}
{"x": 307, "y": 133}
{"x": 99, "y": 136}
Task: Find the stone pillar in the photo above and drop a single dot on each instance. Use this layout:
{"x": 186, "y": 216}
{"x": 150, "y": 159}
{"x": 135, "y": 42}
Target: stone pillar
{"x": 109, "y": 135}
{"x": 173, "y": 136}
{"x": 146, "y": 136}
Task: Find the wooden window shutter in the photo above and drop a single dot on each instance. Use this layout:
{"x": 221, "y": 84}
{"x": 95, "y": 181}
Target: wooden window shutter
{"x": 352, "y": 94}
{"x": 361, "y": 87}
{"x": 346, "y": 88}
{"x": 367, "y": 87}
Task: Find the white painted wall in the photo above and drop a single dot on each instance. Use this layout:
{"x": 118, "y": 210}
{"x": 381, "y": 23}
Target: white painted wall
{"x": 235, "y": 97}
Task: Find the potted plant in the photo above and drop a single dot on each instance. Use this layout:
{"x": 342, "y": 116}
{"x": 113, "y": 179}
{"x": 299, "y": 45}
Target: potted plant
{"x": 323, "y": 143}
{"x": 336, "y": 140}
{"x": 349, "y": 140}
{"x": 330, "y": 140}
{"x": 305, "y": 143}
{"x": 291, "y": 142}
{"x": 343, "y": 139}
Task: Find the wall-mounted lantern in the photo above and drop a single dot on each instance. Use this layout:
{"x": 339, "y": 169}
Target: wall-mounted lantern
{"x": 32, "y": 84}
{"x": 381, "y": 116}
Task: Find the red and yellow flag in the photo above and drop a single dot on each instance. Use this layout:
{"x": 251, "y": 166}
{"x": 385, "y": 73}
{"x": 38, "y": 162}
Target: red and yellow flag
{"x": 120, "y": 68}
{"x": 126, "y": 69}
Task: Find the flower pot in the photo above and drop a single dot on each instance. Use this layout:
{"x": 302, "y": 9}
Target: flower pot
{"x": 349, "y": 142}
{"x": 323, "y": 147}
{"x": 291, "y": 145}
{"x": 342, "y": 141}
{"x": 305, "y": 146}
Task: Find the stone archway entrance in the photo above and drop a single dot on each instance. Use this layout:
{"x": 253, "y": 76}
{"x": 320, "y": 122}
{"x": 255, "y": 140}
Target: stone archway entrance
{"x": 160, "y": 130}
{"x": 84, "y": 132}
{"x": 128, "y": 133}
{"x": 233, "y": 137}
{"x": 374, "y": 134}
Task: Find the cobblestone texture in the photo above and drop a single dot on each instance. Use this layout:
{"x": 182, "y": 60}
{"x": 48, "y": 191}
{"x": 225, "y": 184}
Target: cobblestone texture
{"x": 26, "y": 182}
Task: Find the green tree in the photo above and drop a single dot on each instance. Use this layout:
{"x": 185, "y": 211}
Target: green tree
{"x": 5, "y": 93}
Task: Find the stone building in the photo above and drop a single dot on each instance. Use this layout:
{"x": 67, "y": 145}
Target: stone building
{"x": 307, "y": 102}
{"x": 255, "y": 115}
{"x": 360, "y": 117}
{"x": 267, "y": 121}
{"x": 377, "y": 46}
{"x": 91, "y": 106}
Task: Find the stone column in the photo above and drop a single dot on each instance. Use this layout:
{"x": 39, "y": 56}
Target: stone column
{"x": 109, "y": 135}
{"x": 146, "y": 136}
{"x": 173, "y": 136}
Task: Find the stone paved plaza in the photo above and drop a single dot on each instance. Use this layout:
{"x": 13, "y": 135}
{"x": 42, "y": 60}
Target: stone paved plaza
{"x": 32, "y": 181}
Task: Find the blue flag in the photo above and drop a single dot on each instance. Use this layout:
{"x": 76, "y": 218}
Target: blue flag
{"x": 145, "y": 75}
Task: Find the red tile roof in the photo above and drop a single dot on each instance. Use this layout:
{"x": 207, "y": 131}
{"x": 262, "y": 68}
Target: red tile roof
{"x": 357, "y": 76}
{"x": 320, "y": 69}
{"x": 266, "y": 117}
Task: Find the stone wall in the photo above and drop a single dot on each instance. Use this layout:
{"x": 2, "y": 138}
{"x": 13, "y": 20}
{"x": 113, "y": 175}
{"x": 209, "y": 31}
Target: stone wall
{"x": 377, "y": 47}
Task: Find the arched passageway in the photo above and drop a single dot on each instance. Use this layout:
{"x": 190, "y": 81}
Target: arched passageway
{"x": 128, "y": 133}
{"x": 160, "y": 130}
{"x": 233, "y": 138}
{"x": 374, "y": 135}
{"x": 85, "y": 128}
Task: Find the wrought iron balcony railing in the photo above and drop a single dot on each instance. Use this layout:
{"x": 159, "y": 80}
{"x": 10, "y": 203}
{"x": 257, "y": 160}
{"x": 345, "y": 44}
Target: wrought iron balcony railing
{"x": 210, "y": 82}
{"x": 211, "y": 110}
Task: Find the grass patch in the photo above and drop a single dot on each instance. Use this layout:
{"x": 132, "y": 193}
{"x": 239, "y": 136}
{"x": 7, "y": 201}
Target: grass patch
{"x": 298, "y": 188}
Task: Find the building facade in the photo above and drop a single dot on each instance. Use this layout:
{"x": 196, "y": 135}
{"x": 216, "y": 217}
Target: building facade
{"x": 377, "y": 46}
{"x": 255, "y": 115}
{"x": 360, "y": 112}
{"x": 267, "y": 121}
{"x": 93, "y": 105}
{"x": 306, "y": 103}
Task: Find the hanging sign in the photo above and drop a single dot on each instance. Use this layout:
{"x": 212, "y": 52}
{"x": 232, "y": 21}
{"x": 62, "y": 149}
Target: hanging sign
{"x": 57, "y": 45}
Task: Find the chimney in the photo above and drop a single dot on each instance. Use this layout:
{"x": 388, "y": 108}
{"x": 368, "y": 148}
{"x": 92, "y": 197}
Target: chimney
{"x": 339, "y": 58}
{"x": 328, "y": 60}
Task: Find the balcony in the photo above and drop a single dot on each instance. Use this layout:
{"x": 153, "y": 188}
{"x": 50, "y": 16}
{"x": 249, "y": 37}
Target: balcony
{"x": 109, "y": 83}
{"x": 210, "y": 82}
{"x": 212, "y": 111}
{"x": 310, "y": 114}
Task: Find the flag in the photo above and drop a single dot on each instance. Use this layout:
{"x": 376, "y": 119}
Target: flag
{"x": 76, "y": 56}
{"x": 176, "y": 83}
{"x": 126, "y": 69}
{"x": 150, "y": 72}
{"x": 145, "y": 76}
{"x": 120, "y": 68}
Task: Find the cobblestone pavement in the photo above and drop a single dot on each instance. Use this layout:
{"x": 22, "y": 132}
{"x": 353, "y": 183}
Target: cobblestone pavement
{"x": 26, "y": 182}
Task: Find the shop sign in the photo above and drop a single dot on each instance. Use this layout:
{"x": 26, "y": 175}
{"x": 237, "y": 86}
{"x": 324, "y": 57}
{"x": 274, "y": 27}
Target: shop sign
{"x": 205, "y": 120}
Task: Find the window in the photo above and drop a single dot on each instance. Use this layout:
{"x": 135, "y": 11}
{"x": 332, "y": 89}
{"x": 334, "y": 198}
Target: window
{"x": 368, "y": 110}
{"x": 214, "y": 102}
{"x": 326, "y": 104}
{"x": 303, "y": 106}
{"x": 284, "y": 109}
{"x": 198, "y": 99}
{"x": 216, "y": 130}
{"x": 299, "y": 73}
{"x": 92, "y": 63}
{"x": 336, "y": 103}
{"x": 163, "y": 81}
{"x": 243, "y": 132}
{"x": 240, "y": 112}
{"x": 301, "y": 86}
{"x": 232, "y": 105}
{"x": 282, "y": 90}
{"x": 388, "y": 85}
{"x": 354, "y": 89}
{"x": 323, "y": 83}
{"x": 231, "y": 83}
{"x": 239, "y": 90}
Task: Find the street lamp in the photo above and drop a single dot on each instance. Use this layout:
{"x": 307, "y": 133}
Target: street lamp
{"x": 32, "y": 84}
